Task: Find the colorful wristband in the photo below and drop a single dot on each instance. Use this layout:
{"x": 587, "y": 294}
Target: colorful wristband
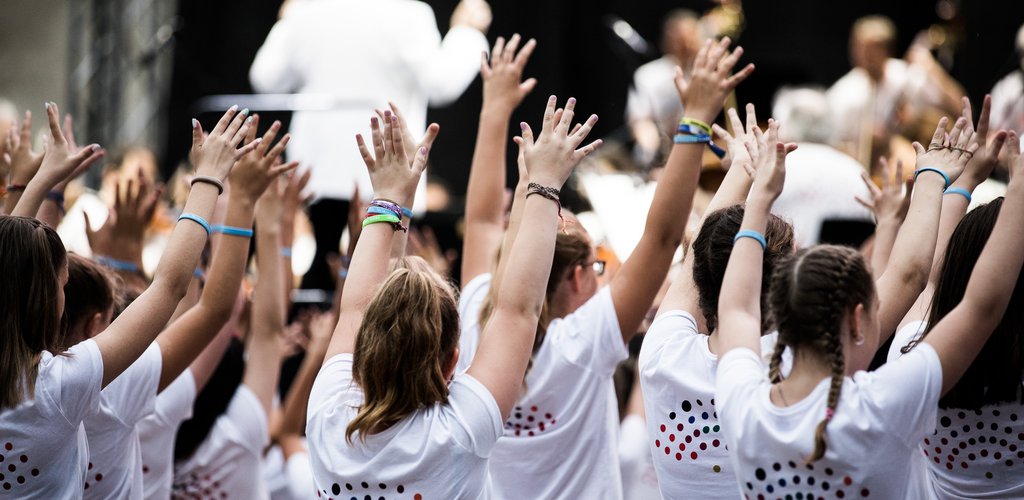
{"x": 937, "y": 171}
{"x": 392, "y": 206}
{"x": 392, "y": 219}
{"x": 696, "y": 123}
{"x": 115, "y": 264}
{"x": 960, "y": 191}
{"x": 233, "y": 231}
{"x": 197, "y": 219}
{"x": 213, "y": 181}
{"x": 375, "y": 210}
{"x": 754, "y": 235}
{"x": 286, "y": 252}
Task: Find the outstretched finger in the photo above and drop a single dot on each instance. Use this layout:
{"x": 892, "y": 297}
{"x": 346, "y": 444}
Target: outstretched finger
{"x": 527, "y": 134}
{"x": 278, "y": 148}
{"x": 940, "y": 133}
{"x": 567, "y": 115}
{"x": 510, "y": 48}
{"x": 958, "y": 129}
{"x": 69, "y": 130}
{"x": 524, "y": 55}
{"x": 388, "y": 136}
{"x": 967, "y": 113}
{"x": 268, "y": 137}
{"x": 721, "y": 132}
{"x": 236, "y": 124}
{"x": 397, "y": 140}
{"x": 581, "y": 134}
{"x": 872, "y": 187}
{"x": 283, "y": 169}
{"x": 998, "y": 140}
{"x": 26, "y": 130}
{"x": 244, "y": 150}
{"x": 717, "y": 51}
{"x": 238, "y": 135}
{"x": 702, "y": 54}
{"x": 864, "y": 203}
{"x": 485, "y": 67}
{"x": 365, "y": 153}
{"x": 680, "y": 81}
{"x": 498, "y": 50}
{"x": 250, "y": 133}
{"x": 735, "y": 123}
{"x": 734, "y": 80}
{"x": 549, "y": 114}
{"x": 419, "y": 163}
{"x": 430, "y": 136}
{"x": 53, "y": 118}
{"x": 197, "y": 134}
{"x": 982, "y": 129}
{"x": 585, "y": 151}
{"x": 225, "y": 120}
{"x": 729, "y": 61}
{"x": 751, "y": 119}
{"x": 377, "y": 138}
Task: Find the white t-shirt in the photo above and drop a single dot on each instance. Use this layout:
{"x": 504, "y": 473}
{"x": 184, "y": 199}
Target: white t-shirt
{"x": 115, "y": 457}
{"x": 639, "y": 479}
{"x": 880, "y": 419}
{"x": 471, "y": 301}
{"x": 227, "y": 464}
{"x": 561, "y": 440}
{"x": 39, "y": 457}
{"x": 970, "y": 453}
{"x": 437, "y": 452}
{"x": 677, "y": 374}
{"x": 157, "y": 433}
{"x": 654, "y": 96}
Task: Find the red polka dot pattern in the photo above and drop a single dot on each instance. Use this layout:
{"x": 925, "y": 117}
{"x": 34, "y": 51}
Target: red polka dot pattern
{"x": 198, "y": 487}
{"x": 690, "y": 433}
{"x": 986, "y": 443}
{"x": 796, "y": 480}
{"x": 16, "y": 468}
{"x": 529, "y": 421}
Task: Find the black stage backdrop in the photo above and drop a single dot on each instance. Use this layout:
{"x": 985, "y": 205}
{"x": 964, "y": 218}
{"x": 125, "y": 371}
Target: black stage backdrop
{"x": 790, "y": 41}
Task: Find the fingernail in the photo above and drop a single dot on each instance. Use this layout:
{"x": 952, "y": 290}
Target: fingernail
{"x": 522, "y": 125}
{"x": 95, "y": 147}
{"x": 572, "y": 100}
{"x": 257, "y": 140}
{"x": 394, "y": 119}
{"x": 195, "y": 123}
{"x": 373, "y": 120}
{"x": 233, "y": 108}
{"x": 593, "y": 117}
{"x": 552, "y": 98}
{"x": 423, "y": 151}
{"x": 245, "y": 111}
{"x": 247, "y": 120}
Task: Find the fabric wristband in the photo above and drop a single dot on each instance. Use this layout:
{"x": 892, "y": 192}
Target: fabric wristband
{"x": 696, "y": 123}
{"x": 115, "y": 264}
{"x": 960, "y": 191}
{"x": 754, "y": 235}
{"x": 937, "y": 171}
{"x": 233, "y": 231}
{"x": 197, "y": 219}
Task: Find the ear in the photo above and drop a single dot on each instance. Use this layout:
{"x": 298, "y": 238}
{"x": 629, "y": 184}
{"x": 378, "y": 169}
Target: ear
{"x": 94, "y": 325}
{"x": 450, "y": 370}
{"x": 576, "y": 278}
{"x": 856, "y": 319}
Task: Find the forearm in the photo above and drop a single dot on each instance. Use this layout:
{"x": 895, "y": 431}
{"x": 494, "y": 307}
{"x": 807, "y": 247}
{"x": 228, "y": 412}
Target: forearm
{"x": 181, "y": 256}
{"x": 368, "y": 269}
{"x": 733, "y": 191}
{"x": 914, "y": 247}
{"x": 11, "y": 201}
{"x": 51, "y": 212}
{"x": 267, "y": 317}
{"x": 484, "y": 216}
{"x": 32, "y": 197}
{"x": 515, "y": 220}
{"x": 995, "y": 275}
{"x": 529, "y": 258}
{"x": 739, "y": 303}
{"x": 885, "y": 237}
{"x": 293, "y": 414}
{"x": 673, "y": 198}
{"x": 954, "y": 207}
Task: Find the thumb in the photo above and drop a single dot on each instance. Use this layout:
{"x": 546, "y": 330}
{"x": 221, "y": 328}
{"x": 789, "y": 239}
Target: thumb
{"x": 197, "y": 134}
{"x": 919, "y": 148}
{"x": 527, "y": 86}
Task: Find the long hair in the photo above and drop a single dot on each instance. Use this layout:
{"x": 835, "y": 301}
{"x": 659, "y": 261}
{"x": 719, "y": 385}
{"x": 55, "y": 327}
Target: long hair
{"x": 31, "y": 254}
{"x": 811, "y": 295}
{"x": 995, "y": 375}
{"x": 711, "y": 251}
{"x": 404, "y": 346}
{"x": 91, "y": 289}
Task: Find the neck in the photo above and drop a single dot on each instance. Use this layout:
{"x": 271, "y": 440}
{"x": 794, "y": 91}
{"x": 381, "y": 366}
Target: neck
{"x": 808, "y": 371}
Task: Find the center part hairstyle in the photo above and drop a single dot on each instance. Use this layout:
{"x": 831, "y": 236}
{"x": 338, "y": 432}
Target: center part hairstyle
{"x": 995, "y": 375}
{"x": 711, "y": 251}
{"x": 812, "y": 293}
{"x": 404, "y": 347}
{"x": 31, "y": 254}
{"x": 91, "y": 289}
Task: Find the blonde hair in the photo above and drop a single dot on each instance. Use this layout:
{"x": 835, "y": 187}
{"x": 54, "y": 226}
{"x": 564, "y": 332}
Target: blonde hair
{"x": 874, "y": 28}
{"x": 404, "y": 347}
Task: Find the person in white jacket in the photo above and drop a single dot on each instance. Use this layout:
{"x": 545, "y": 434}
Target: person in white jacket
{"x": 360, "y": 54}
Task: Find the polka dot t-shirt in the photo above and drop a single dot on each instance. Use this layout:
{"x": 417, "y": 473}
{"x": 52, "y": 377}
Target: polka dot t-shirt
{"x": 43, "y": 450}
{"x": 677, "y": 374}
{"x": 971, "y": 453}
{"x": 880, "y": 419}
{"x": 157, "y": 433}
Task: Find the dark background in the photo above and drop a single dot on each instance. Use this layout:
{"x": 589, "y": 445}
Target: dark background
{"x": 791, "y": 42}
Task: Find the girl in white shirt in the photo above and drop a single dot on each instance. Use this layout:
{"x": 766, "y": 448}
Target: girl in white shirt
{"x": 45, "y": 397}
{"x": 829, "y": 428}
{"x": 385, "y": 417}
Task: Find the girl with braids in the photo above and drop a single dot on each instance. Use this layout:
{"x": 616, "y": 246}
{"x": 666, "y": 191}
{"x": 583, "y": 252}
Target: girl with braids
{"x": 678, "y": 360}
{"x": 386, "y": 416}
{"x": 568, "y": 403}
{"x": 829, "y": 428}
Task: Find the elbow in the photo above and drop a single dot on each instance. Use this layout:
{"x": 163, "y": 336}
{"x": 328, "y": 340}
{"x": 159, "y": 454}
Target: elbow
{"x": 915, "y": 278}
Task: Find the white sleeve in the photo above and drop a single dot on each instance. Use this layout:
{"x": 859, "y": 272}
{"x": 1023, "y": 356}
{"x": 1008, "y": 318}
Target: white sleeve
{"x": 666, "y": 326}
{"x": 245, "y": 412}
{"x": 477, "y": 412}
{"x": 271, "y": 70}
{"x": 300, "y": 475}
{"x": 739, "y": 374}
{"x": 471, "y": 301}
{"x": 590, "y": 337}
{"x": 174, "y": 404}
{"x": 903, "y": 337}
{"x": 80, "y": 376}
{"x": 906, "y": 391}
{"x": 442, "y": 68}
{"x": 132, "y": 395}
{"x": 334, "y": 378}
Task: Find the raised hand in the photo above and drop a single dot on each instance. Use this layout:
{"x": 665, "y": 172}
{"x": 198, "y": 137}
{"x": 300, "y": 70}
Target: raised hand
{"x": 950, "y": 152}
{"x": 551, "y": 157}
{"x": 24, "y": 162}
{"x": 474, "y": 14}
{"x": 889, "y": 202}
{"x": 356, "y": 210}
{"x": 214, "y": 155}
{"x": 770, "y": 164}
{"x": 423, "y": 243}
{"x": 704, "y": 93}
{"x": 258, "y": 168}
{"x": 294, "y": 194}
{"x": 739, "y": 146}
{"x": 270, "y": 207}
{"x": 393, "y": 173}
{"x": 1014, "y": 159}
{"x": 62, "y": 159}
{"x": 502, "y": 74}
{"x": 407, "y": 138}
{"x": 122, "y": 234}
{"x": 981, "y": 165}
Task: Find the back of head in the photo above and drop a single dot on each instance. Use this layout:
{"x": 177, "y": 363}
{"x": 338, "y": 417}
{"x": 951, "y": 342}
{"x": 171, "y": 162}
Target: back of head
{"x": 995, "y": 375}
{"x": 874, "y": 28}
{"x": 680, "y": 33}
{"x": 711, "y": 251}
{"x": 404, "y": 348}
{"x": 805, "y": 111}
{"x": 31, "y": 255}
{"x": 811, "y": 294}
{"x": 90, "y": 290}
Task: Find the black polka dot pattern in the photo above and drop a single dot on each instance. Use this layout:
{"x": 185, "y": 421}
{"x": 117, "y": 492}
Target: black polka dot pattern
{"x": 359, "y": 489}
{"x": 529, "y": 421}
{"x": 978, "y": 444}
{"x": 690, "y": 434}
{"x": 797, "y": 480}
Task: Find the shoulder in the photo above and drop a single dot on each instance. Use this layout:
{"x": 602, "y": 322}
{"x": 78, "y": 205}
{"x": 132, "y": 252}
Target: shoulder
{"x": 675, "y": 327}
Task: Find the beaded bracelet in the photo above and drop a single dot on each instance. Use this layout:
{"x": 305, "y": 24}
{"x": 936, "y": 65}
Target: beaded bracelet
{"x": 233, "y": 231}
{"x": 197, "y": 219}
{"x": 754, "y": 235}
{"x": 960, "y": 191}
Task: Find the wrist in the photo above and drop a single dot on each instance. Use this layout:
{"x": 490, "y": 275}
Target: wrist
{"x": 403, "y": 200}
{"x": 705, "y": 115}
{"x": 495, "y": 111}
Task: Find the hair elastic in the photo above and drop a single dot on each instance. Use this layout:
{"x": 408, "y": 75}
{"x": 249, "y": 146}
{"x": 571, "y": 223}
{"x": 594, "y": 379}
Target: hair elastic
{"x": 829, "y": 413}
{"x": 197, "y": 219}
{"x": 932, "y": 169}
{"x": 208, "y": 180}
{"x": 754, "y": 235}
{"x": 233, "y": 231}
{"x": 15, "y": 188}
{"x": 960, "y": 191}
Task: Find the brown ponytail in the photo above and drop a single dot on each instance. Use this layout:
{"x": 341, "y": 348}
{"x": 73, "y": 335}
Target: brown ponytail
{"x": 811, "y": 295}
{"x": 404, "y": 346}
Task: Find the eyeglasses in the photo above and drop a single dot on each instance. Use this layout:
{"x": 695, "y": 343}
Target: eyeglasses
{"x": 599, "y": 266}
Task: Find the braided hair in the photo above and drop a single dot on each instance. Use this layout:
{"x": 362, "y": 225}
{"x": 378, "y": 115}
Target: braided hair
{"x": 811, "y": 294}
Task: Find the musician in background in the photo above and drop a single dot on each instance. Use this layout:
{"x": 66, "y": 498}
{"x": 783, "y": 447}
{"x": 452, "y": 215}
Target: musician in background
{"x": 363, "y": 53}
{"x": 1008, "y": 96}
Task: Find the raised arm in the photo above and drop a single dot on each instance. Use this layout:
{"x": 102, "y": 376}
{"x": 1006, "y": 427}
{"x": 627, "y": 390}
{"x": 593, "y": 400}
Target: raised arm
{"x": 960, "y": 335}
{"x": 186, "y": 338}
{"x": 24, "y": 162}
{"x": 636, "y": 284}
{"x": 132, "y": 332}
{"x": 294, "y": 199}
{"x": 507, "y": 339}
{"x": 485, "y": 215}
{"x": 910, "y": 262}
{"x": 293, "y": 411}
{"x": 52, "y": 211}
{"x": 60, "y": 164}
{"x": 118, "y": 243}
{"x": 889, "y": 205}
{"x": 394, "y": 176}
{"x": 739, "y": 304}
{"x": 682, "y": 294}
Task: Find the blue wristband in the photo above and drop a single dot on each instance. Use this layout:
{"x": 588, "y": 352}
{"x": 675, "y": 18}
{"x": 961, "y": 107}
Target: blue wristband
{"x": 199, "y": 274}
{"x": 197, "y": 219}
{"x": 373, "y": 209}
{"x": 117, "y": 265}
{"x": 407, "y": 213}
{"x": 691, "y": 139}
{"x": 960, "y": 191}
{"x": 233, "y": 231}
{"x": 343, "y": 273}
{"x": 937, "y": 171}
{"x": 754, "y": 235}
{"x": 286, "y": 252}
